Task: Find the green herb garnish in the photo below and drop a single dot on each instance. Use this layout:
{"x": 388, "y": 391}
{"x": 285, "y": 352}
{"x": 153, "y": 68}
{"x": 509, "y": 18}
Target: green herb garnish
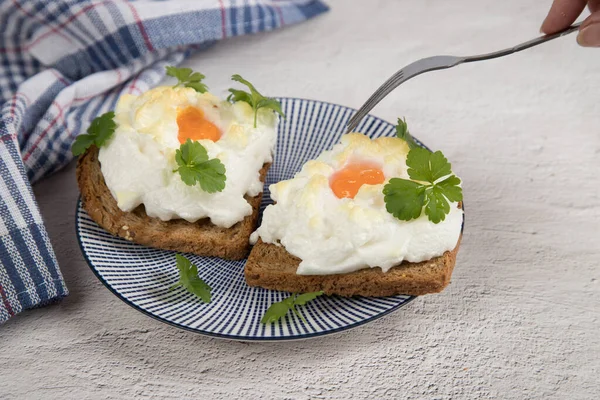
{"x": 187, "y": 78}
{"x": 99, "y": 131}
{"x": 254, "y": 98}
{"x": 431, "y": 187}
{"x": 189, "y": 279}
{"x": 403, "y": 133}
{"x": 195, "y": 167}
{"x": 278, "y": 310}
{"x": 435, "y": 187}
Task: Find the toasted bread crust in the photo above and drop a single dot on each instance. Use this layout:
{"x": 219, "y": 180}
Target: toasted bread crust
{"x": 272, "y": 267}
{"x": 201, "y": 237}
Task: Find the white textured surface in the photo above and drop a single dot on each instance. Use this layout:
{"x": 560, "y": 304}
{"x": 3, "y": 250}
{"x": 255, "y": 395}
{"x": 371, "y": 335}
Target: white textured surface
{"x": 521, "y": 318}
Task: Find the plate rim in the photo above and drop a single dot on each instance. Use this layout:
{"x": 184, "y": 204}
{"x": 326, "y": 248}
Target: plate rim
{"x": 136, "y": 307}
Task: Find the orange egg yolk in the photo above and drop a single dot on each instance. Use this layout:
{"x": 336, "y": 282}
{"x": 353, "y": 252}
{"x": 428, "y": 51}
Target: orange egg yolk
{"x": 192, "y": 125}
{"x": 346, "y": 182}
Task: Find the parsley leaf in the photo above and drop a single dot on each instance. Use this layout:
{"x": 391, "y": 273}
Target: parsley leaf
{"x": 195, "y": 167}
{"x": 239, "y": 95}
{"x": 452, "y": 191}
{"x": 417, "y": 161}
{"x": 191, "y": 153}
{"x": 437, "y": 206}
{"x": 254, "y": 98}
{"x": 99, "y": 131}
{"x": 302, "y": 299}
{"x": 439, "y": 166}
{"x": 403, "y": 133}
{"x": 278, "y": 310}
{"x": 187, "y": 78}
{"x": 82, "y": 142}
{"x": 189, "y": 279}
{"x": 404, "y": 199}
{"x": 426, "y": 166}
{"x": 434, "y": 188}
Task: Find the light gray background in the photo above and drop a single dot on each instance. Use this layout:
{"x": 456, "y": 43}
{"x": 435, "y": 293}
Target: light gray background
{"x": 521, "y": 317}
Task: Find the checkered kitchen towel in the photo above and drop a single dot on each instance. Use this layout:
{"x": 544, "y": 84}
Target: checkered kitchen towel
{"x": 65, "y": 62}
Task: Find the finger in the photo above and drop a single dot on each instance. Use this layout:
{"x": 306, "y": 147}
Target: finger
{"x": 589, "y": 34}
{"x": 562, "y": 14}
{"x": 594, "y": 5}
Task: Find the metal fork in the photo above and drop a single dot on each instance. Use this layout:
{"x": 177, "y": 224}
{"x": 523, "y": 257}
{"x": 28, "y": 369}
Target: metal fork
{"x": 440, "y": 62}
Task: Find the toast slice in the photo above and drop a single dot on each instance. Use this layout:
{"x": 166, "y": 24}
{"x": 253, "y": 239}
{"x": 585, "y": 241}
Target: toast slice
{"x": 270, "y": 266}
{"x": 201, "y": 237}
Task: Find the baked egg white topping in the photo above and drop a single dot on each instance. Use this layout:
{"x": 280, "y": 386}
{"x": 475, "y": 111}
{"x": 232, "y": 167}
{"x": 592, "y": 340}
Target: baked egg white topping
{"x": 138, "y": 162}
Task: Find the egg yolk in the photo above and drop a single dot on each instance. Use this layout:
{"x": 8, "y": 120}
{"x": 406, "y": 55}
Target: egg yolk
{"x": 192, "y": 125}
{"x": 346, "y": 182}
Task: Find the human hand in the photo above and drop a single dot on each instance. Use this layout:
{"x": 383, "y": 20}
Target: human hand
{"x": 564, "y": 12}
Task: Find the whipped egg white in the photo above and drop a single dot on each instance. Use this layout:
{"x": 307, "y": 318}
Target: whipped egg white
{"x": 138, "y": 162}
{"x": 334, "y": 235}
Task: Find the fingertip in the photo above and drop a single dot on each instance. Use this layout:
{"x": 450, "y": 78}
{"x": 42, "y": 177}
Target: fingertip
{"x": 543, "y": 30}
{"x": 589, "y": 37}
{"x": 544, "y": 27}
{"x": 594, "y": 5}
{"x": 562, "y": 14}
{"x": 551, "y": 25}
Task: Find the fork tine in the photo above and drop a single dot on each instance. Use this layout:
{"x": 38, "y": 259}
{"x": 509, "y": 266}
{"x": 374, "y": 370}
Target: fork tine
{"x": 376, "y": 97}
{"x": 389, "y": 84}
{"x": 362, "y": 112}
{"x": 406, "y": 73}
{"x": 393, "y": 82}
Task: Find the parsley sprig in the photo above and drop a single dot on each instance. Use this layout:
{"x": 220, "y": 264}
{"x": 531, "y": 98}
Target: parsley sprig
{"x": 254, "y": 98}
{"x": 431, "y": 188}
{"x": 189, "y": 279}
{"x": 195, "y": 167}
{"x": 99, "y": 131}
{"x": 278, "y": 310}
{"x": 188, "y": 78}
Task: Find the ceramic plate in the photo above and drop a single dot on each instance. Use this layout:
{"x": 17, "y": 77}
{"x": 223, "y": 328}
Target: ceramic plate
{"x": 141, "y": 276}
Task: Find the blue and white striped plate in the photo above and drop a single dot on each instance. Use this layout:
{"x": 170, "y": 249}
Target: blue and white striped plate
{"x": 141, "y": 276}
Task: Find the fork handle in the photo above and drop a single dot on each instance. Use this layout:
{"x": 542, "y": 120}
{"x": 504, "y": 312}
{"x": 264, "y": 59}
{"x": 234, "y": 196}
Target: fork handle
{"x": 441, "y": 62}
{"x": 522, "y": 46}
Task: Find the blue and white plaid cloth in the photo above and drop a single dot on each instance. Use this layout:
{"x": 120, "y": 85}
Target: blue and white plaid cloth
{"x": 63, "y": 63}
